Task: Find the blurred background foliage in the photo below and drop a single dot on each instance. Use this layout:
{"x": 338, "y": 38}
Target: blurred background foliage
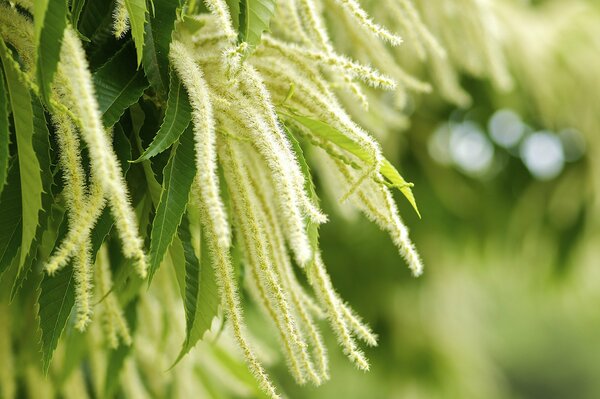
{"x": 508, "y": 188}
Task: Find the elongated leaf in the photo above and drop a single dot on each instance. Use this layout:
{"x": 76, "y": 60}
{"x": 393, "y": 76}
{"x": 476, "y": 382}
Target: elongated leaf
{"x": 255, "y": 18}
{"x": 201, "y": 299}
{"x": 4, "y": 132}
{"x": 177, "y": 118}
{"x": 29, "y": 167}
{"x": 157, "y": 41}
{"x": 178, "y": 176}
{"x": 10, "y": 218}
{"x": 118, "y": 85}
{"x": 49, "y": 43}
{"x": 41, "y": 146}
{"x": 136, "y": 9}
{"x": 56, "y": 301}
{"x": 328, "y": 132}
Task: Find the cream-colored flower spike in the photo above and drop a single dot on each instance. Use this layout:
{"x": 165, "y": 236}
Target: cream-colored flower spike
{"x": 105, "y": 166}
{"x": 204, "y": 137}
{"x": 120, "y": 19}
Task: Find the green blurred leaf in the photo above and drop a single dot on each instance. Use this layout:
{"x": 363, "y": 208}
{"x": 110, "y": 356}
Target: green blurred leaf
{"x": 177, "y": 118}
{"x": 255, "y": 18}
{"x": 49, "y": 42}
{"x": 178, "y": 177}
{"x": 136, "y": 9}
{"x": 118, "y": 84}
{"x": 29, "y": 167}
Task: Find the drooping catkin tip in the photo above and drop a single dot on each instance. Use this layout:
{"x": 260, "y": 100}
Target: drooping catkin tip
{"x": 141, "y": 266}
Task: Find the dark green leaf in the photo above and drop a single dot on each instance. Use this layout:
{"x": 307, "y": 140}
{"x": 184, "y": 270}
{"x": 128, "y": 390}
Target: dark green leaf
{"x": 157, "y": 41}
{"x": 255, "y": 18}
{"x": 4, "y": 132}
{"x": 118, "y": 85}
{"x": 10, "y": 218}
{"x": 29, "y": 167}
{"x": 177, "y": 118}
{"x": 178, "y": 176}
{"x": 136, "y": 9}
{"x": 76, "y": 9}
{"x": 49, "y": 43}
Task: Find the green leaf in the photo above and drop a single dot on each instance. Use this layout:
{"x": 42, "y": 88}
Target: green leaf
{"x": 177, "y": 182}
{"x": 118, "y": 84}
{"x": 255, "y": 18}
{"x": 56, "y": 301}
{"x": 201, "y": 299}
{"x": 29, "y": 167}
{"x": 157, "y": 41}
{"x": 41, "y": 146}
{"x": 234, "y": 11}
{"x": 4, "y": 132}
{"x": 10, "y": 218}
{"x": 328, "y": 132}
{"x": 49, "y": 42}
{"x": 136, "y": 9}
{"x": 177, "y": 118}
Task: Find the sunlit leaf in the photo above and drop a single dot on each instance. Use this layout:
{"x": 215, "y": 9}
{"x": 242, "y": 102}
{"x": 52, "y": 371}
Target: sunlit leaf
{"x": 136, "y": 9}
{"x": 29, "y": 167}
{"x": 49, "y": 42}
{"x": 255, "y": 18}
{"x": 328, "y": 132}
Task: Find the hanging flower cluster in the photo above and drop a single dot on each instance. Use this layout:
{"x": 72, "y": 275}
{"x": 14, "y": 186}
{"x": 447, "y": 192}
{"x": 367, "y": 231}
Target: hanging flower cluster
{"x": 247, "y": 111}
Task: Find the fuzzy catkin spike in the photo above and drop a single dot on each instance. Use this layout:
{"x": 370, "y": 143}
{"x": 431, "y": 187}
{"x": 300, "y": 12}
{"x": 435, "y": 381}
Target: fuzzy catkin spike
{"x": 288, "y": 202}
{"x": 105, "y": 166}
{"x": 120, "y": 19}
{"x": 114, "y": 324}
{"x": 246, "y": 206}
{"x": 363, "y": 72}
{"x": 361, "y": 16}
{"x": 221, "y": 10}
{"x": 300, "y": 300}
{"x": 321, "y": 283}
{"x": 83, "y": 286}
{"x": 204, "y": 137}
{"x": 259, "y": 93}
